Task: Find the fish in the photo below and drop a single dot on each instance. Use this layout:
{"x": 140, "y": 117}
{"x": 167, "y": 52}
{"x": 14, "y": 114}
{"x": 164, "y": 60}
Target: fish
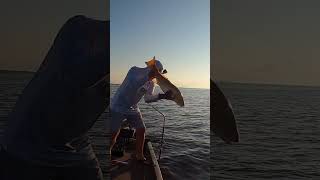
{"x": 166, "y": 85}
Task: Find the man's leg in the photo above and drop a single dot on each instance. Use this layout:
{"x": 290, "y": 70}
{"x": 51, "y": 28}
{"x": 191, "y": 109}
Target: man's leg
{"x": 137, "y": 122}
{"x": 140, "y": 134}
{"x": 116, "y": 120}
{"x": 114, "y": 136}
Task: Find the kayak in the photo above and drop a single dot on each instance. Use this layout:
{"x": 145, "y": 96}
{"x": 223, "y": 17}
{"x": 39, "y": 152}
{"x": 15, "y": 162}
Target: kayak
{"x": 125, "y": 166}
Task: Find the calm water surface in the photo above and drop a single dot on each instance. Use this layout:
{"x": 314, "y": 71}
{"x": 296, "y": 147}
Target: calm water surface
{"x": 279, "y": 134}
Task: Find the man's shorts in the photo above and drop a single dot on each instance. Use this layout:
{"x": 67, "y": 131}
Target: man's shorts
{"x": 134, "y": 120}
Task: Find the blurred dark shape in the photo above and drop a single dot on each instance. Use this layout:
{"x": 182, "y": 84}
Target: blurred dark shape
{"x": 223, "y": 122}
{"x": 67, "y": 94}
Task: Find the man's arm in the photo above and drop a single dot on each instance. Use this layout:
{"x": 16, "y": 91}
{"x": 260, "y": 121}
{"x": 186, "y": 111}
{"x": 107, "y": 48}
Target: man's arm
{"x": 149, "y": 95}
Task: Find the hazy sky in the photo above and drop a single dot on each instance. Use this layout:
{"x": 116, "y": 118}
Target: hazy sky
{"x": 270, "y": 41}
{"x": 175, "y": 31}
{"x": 28, "y": 28}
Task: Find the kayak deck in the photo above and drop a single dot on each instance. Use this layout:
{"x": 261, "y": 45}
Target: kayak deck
{"x": 126, "y": 167}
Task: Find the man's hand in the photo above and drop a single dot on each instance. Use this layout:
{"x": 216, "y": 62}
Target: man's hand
{"x": 168, "y": 95}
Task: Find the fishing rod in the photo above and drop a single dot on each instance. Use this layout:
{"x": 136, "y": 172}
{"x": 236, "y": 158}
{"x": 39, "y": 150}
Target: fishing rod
{"x": 163, "y": 125}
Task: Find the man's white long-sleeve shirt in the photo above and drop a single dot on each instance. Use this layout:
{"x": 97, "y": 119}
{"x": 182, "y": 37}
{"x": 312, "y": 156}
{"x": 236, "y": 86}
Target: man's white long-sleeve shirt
{"x": 134, "y": 87}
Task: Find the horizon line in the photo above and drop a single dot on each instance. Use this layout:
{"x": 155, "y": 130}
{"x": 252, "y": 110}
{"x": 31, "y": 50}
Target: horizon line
{"x": 262, "y": 83}
{"x": 224, "y": 81}
{"x": 177, "y": 86}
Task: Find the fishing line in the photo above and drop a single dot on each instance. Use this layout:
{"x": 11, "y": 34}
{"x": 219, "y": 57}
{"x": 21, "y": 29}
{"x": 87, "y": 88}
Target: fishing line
{"x": 163, "y": 125}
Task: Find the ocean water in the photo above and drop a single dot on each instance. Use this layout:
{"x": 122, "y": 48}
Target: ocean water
{"x": 279, "y": 134}
{"x": 186, "y": 152}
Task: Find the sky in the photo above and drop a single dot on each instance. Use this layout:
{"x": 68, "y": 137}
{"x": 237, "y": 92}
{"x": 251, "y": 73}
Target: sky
{"x": 177, "y": 32}
{"x": 270, "y": 41}
{"x": 28, "y": 28}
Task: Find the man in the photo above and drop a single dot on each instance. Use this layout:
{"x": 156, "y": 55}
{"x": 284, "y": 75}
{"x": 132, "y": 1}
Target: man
{"x": 139, "y": 82}
{"x": 47, "y": 130}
